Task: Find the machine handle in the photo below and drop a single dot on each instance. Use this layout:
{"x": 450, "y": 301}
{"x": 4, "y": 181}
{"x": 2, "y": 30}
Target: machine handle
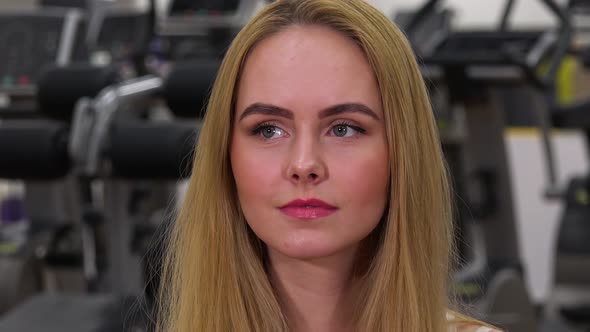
{"x": 427, "y": 8}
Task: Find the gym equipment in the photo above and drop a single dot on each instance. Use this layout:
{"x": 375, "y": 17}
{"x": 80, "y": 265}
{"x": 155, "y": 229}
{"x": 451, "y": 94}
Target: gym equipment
{"x": 200, "y": 29}
{"x": 473, "y": 66}
{"x": 36, "y": 150}
{"x": 70, "y": 312}
{"x": 492, "y": 277}
{"x": 119, "y": 150}
{"x": 97, "y": 138}
{"x": 30, "y": 149}
{"x": 132, "y": 145}
{"x": 569, "y": 300}
{"x": 426, "y": 28}
{"x": 25, "y": 59}
{"x": 41, "y": 158}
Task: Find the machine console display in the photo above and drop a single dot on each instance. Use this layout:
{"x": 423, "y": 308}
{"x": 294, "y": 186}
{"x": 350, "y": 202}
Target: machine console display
{"x": 32, "y": 41}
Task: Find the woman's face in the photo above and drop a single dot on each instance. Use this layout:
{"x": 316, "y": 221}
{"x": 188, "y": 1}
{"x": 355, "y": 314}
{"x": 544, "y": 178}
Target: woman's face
{"x": 309, "y": 151}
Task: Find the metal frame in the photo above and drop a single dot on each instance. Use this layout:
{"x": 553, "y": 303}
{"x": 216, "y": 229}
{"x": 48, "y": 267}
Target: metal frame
{"x": 176, "y": 25}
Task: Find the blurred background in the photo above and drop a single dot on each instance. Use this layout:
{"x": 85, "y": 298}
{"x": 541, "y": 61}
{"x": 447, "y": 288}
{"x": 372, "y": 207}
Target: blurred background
{"x": 101, "y": 103}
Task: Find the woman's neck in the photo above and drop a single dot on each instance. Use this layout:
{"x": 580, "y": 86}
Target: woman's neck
{"x": 316, "y": 293}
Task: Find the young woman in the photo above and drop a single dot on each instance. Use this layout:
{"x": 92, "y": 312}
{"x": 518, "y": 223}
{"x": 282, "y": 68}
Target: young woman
{"x": 319, "y": 198}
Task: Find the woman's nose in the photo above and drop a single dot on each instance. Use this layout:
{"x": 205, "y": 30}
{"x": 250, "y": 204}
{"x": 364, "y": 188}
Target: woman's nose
{"x": 306, "y": 162}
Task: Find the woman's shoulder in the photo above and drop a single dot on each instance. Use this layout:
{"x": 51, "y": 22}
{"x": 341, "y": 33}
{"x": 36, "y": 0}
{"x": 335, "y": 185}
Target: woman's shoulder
{"x": 471, "y": 328}
{"x": 459, "y": 323}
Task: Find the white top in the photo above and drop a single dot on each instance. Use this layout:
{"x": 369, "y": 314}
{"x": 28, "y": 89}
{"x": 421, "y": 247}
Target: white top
{"x": 467, "y": 327}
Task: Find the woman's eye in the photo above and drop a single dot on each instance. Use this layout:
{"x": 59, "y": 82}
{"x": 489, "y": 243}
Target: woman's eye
{"x": 343, "y": 130}
{"x": 269, "y": 132}
{"x": 340, "y": 130}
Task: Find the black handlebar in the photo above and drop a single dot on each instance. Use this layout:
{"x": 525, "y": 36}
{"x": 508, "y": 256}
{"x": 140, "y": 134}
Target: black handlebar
{"x": 429, "y": 6}
{"x": 422, "y": 13}
{"x": 574, "y": 115}
{"x": 553, "y": 51}
{"x": 506, "y": 15}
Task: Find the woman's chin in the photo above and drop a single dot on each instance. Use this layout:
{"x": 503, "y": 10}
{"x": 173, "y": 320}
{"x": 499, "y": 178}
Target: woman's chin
{"x": 308, "y": 249}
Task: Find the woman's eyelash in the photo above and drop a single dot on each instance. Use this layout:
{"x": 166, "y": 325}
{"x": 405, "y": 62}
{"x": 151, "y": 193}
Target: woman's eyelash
{"x": 259, "y": 128}
{"x": 351, "y": 125}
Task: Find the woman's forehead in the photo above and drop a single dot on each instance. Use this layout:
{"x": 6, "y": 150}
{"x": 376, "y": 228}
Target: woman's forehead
{"x": 313, "y": 61}
{"x": 308, "y": 46}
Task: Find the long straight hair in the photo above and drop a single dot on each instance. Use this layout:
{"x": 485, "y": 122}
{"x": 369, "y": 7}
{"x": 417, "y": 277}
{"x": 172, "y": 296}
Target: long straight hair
{"x": 213, "y": 275}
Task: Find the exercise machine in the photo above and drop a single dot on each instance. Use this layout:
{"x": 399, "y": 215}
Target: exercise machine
{"x": 472, "y": 67}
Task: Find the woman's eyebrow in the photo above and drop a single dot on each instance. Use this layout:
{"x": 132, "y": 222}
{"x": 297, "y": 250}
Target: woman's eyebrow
{"x": 268, "y": 109}
{"x": 348, "y": 108}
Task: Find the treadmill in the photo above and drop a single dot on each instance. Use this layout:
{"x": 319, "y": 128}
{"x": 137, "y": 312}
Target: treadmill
{"x": 472, "y": 67}
{"x": 569, "y": 300}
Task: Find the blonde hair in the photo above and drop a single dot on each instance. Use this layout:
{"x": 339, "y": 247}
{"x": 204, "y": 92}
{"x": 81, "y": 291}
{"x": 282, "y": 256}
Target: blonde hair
{"x": 214, "y": 278}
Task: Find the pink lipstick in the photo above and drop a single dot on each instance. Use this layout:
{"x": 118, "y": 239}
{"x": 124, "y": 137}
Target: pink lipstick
{"x": 308, "y": 209}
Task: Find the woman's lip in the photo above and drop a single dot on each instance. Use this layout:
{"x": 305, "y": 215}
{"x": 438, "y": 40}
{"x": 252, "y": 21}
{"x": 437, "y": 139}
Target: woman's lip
{"x": 307, "y": 213}
{"x": 308, "y": 203}
{"x": 308, "y": 209}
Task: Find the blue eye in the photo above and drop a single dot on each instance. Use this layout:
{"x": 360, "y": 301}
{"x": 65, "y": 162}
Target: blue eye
{"x": 340, "y": 130}
{"x": 268, "y": 131}
{"x": 346, "y": 130}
